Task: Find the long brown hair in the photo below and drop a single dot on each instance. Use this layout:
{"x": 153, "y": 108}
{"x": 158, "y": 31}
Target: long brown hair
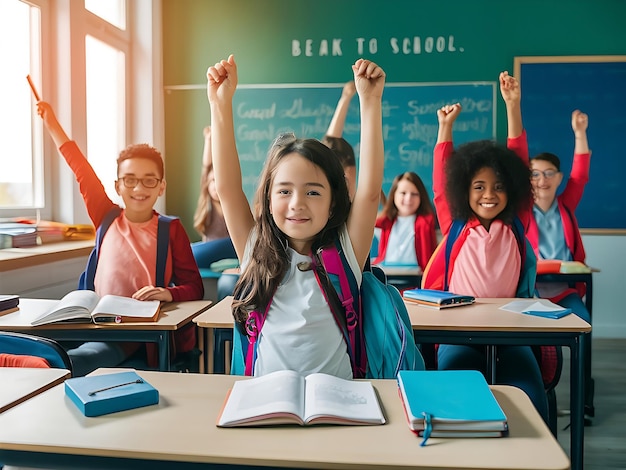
{"x": 425, "y": 207}
{"x": 269, "y": 260}
{"x": 205, "y": 205}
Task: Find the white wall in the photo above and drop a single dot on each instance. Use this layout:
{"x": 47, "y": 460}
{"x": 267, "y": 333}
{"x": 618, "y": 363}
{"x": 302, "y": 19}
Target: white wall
{"x": 608, "y": 253}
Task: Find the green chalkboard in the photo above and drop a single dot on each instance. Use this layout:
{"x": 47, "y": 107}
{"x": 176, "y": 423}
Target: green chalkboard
{"x": 409, "y": 121}
{"x": 553, "y": 87}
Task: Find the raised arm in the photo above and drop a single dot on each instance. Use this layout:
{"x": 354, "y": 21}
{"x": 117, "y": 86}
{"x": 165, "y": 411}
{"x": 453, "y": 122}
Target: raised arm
{"x": 446, "y": 116}
{"x": 580, "y": 121}
{"x": 511, "y": 94}
{"x": 52, "y": 124}
{"x": 369, "y": 80}
{"x": 96, "y": 200}
{"x": 335, "y": 128}
{"x": 221, "y": 86}
{"x": 579, "y": 176}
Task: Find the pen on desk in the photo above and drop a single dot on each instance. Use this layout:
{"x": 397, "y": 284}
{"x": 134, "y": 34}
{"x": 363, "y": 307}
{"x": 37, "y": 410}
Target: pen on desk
{"x": 109, "y": 319}
{"x": 138, "y": 381}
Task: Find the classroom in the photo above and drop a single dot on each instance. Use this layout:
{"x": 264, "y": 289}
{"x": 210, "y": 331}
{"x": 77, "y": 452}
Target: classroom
{"x": 293, "y": 60}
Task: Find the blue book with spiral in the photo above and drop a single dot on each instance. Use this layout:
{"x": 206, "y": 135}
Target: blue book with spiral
{"x": 97, "y": 395}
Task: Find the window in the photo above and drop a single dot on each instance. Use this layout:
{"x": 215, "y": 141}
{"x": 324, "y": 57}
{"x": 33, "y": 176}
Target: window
{"x": 21, "y": 178}
{"x": 79, "y": 55}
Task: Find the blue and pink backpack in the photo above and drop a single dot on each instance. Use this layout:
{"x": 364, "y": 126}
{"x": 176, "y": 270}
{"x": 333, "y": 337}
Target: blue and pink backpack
{"x": 373, "y": 319}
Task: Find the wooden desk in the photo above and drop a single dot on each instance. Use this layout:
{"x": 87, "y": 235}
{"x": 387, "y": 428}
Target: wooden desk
{"x": 484, "y": 323}
{"x": 480, "y": 323}
{"x": 215, "y": 324}
{"x": 174, "y": 315}
{"x": 20, "y": 383}
{"x": 146, "y": 438}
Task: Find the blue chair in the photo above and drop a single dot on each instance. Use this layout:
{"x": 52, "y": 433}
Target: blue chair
{"x": 29, "y": 345}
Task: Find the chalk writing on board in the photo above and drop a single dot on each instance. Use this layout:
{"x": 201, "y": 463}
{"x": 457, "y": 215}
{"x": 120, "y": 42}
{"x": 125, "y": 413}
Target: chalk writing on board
{"x": 409, "y": 121}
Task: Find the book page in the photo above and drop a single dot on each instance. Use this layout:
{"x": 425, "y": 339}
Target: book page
{"x": 75, "y": 304}
{"x": 538, "y": 305}
{"x": 125, "y": 306}
{"x": 276, "y": 395}
{"x": 330, "y": 399}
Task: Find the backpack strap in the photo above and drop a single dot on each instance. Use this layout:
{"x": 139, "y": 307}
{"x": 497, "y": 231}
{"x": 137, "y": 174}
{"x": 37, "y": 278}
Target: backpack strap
{"x": 254, "y": 324}
{"x": 349, "y": 318}
{"x": 453, "y": 235}
{"x": 163, "y": 242}
{"x": 86, "y": 280}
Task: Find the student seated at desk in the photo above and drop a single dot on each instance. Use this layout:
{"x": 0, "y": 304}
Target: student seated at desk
{"x": 484, "y": 189}
{"x": 553, "y": 230}
{"x": 407, "y": 224}
{"x": 209, "y": 219}
{"x": 127, "y": 257}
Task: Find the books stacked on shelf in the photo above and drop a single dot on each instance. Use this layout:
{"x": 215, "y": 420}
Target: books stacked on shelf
{"x": 14, "y": 235}
{"x": 450, "y": 403}
{"x": 436, "y": 298}
{"x": 96, "y": 395}
{"x": 285, "y": 397}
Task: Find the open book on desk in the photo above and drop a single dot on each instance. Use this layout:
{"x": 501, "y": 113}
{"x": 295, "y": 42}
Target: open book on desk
{"x": 450, "y": 403}
{"x": 285, "y": 397}
{"x": 85, "y": 306}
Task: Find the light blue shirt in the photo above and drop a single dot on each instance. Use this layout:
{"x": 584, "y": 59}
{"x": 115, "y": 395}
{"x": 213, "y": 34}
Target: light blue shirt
{"x": 551, "y": 236}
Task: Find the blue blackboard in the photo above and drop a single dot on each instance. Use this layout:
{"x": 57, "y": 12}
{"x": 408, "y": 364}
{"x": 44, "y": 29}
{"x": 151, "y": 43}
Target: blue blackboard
{"x": 553, "y": 87}
{"x": 409, "y": 121}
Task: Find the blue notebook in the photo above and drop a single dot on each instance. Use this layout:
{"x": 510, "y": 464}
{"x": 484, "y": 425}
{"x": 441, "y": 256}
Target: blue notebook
{"x": 97, "y": 395}
{"x": 437, "y": 298}
{"x": 450, "y": 403}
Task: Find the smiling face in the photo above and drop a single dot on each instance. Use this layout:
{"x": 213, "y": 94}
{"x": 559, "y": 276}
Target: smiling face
{"x": 406, "y": 198}
{"x": 300, "y": 201}
{"x": 487, "y": 196}
{"x": 139, "y": 201}
{"x": 545, "y": 179}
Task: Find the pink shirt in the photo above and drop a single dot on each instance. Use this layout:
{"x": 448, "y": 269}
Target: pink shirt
{"x": 488, "y": 264}
{"x": 134, "y": 260}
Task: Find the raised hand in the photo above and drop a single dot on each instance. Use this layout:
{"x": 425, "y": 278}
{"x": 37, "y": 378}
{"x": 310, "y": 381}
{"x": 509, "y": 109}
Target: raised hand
{"x": 222, "y": 80}
{"x": 447, "y": 114}
{"x": 580, "y": 121}
{"x": 509, "y": 88}
{"x": 369, "y": 79}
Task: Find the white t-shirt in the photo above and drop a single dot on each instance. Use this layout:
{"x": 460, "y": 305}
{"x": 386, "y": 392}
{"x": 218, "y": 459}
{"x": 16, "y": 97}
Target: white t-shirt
{"x": 401, "y": 244}
{"x": 300, "y": 332}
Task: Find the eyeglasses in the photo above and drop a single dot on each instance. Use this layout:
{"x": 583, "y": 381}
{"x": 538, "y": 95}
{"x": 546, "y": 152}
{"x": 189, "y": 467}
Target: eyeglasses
{"x": 131, "y": 182}
{"x": 547, "y": 174}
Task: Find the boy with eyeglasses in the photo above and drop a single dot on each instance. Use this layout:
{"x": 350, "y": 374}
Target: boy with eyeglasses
{"x": 128, "y": 253}
{"x": 553, "y": 231}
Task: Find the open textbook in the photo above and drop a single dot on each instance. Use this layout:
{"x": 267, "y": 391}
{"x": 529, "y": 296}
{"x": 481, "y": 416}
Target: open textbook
{"x": 84, "y": 306}
{"x": 285, "y": 397}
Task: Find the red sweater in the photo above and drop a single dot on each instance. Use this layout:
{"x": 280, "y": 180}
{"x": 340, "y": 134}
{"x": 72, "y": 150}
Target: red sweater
{"x": 425, "y": 238}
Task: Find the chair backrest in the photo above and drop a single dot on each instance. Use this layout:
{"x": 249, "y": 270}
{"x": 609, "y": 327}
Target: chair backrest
{"x": 29, "y": 345}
